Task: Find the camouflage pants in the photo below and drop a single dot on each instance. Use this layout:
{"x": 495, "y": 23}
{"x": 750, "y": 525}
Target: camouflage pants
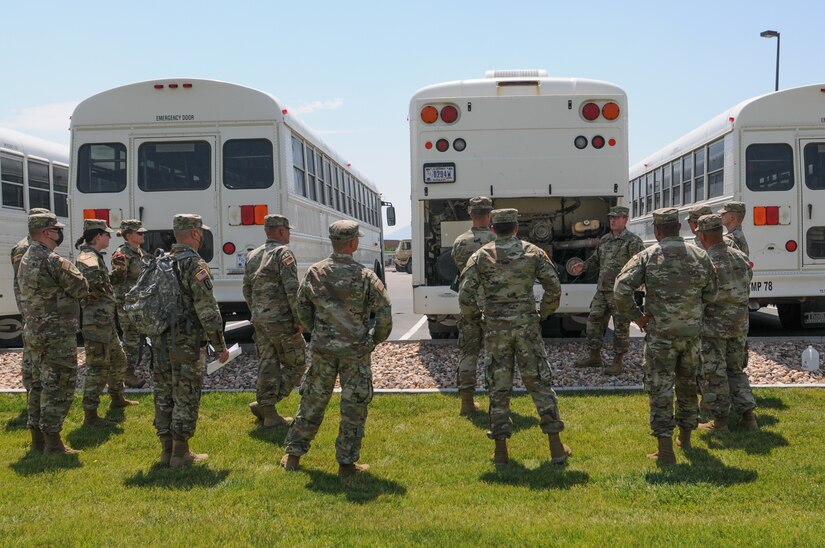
{"x": 505, "y": 345}
{"x": 131, "y": 341}
{"x": 670, "y": 363}
{"x": 470, "y": 341}
{"x": 54, "y": 374}
{"x": 356, "y": 393}
{"x": 601, "y": 308}
{"x": 106, "y": 364}
{"x": 725, "y": 386}
{"x": 26, "y": 371}
{"x": 178, "y": 378}
{"x": 281, "y": 362}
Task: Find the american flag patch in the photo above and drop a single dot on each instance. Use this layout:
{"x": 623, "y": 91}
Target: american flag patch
{"x": 65, "y": 265}
{"x": 201, "y": 275}
{"x": 379, "y": 285}
{"x": 288, "y": 260}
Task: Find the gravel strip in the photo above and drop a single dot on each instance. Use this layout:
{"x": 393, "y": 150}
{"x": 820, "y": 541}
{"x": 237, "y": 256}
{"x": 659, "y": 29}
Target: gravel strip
{"x": 433, "y": 364}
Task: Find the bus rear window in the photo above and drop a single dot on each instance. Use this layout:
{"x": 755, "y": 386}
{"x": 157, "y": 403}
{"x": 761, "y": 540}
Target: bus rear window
{"x": 172, "y": 166}
{"x": 247, "y": 163}
{"x": 101, "y": 167}
{"x": 769, "y": 167}
{"x": 815, "y": 166}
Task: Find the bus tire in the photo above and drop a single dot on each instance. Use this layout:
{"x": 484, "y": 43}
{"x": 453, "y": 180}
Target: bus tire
{"x": 790, "y": 315}
{"x": 408, "y": 268}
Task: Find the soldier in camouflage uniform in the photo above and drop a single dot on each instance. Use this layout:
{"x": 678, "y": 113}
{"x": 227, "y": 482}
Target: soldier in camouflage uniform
{"x": 17, "y": 253}
{"x": 127, "y": 262}
{"x": 679, "y": 281}
{"x": 724, "y": 333}
{"x": 470, "y": 335}
{"x": 733, "y": 213}
{"x": 270, "y": 287}
{"x": 693, "y": 222}
{"x": 614, "y": 250}
{"x": 179, "y": 357}
{"x": 50, "y": 287}
{"x": 335, "y": 301}
{"x": 498, "y": 283}
{"x": 105, "y": 359}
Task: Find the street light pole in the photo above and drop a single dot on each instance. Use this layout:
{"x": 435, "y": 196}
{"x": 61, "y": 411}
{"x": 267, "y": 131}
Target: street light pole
{"x": 773, "y": 34}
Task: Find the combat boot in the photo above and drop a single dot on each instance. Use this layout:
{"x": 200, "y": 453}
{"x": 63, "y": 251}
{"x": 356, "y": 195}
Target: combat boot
{"x": 291, "y": 463}
{"x": 749, "y": 420}
{"x": 54, "y": 446}
{"x": 348, "y": 470}
{"x": 683, "y": 440}
{"x": 617, "y": 366}
{"x": 132, "y": 380}
{"x": 91, "y": 419}
{"x": 593, "y": 359}
{"x": 558, "y": 451}
{"x": 468, "y": 404}
{"x": 256, "y": 410}
{"x": 166, "y": 449}
{"x": 717, "y": 423}
{"x": 271, "y": 417}
{"x": 665, "y": 455}
{"x": 500, "y": 456}
{"x": 119, "y": 402}
{"x": 182, "y": 456}
{"x": 38, "y": 441}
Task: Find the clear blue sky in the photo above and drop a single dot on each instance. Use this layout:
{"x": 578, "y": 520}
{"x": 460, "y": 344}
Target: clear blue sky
{"x": 352, "y": 67}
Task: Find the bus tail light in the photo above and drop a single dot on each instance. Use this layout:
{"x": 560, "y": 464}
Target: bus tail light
{"x": 760, "y": 216}
{"x": 597, "y": 141}
{"x": 442, "y": 145}
{"x": 429, "y": 114}
{"x": 261, "y": 211}
{"x": 590, "y": 111}
{"x": 449, "y": 114}
{"x": 229, "y": 248}
{"x": 247, "y": 215}
{"x": 610, "y": 111}
{"x": 790, "y": 245}
{"x": 113, "y": 217}
{"x": 89, "y": 214}
{"x": 771, "y": 215}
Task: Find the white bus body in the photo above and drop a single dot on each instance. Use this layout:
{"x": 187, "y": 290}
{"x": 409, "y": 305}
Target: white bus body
{"x": 513, "y": 136}
{"x": 768, "y": 152}
{"x": 227, "y": 152}
{"x": 34, "y": 173}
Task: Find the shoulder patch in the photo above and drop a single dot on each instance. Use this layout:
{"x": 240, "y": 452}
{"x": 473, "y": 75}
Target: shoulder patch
{"x": 379, "y": 285}
{"x": 65, "y": 265}
{"x": 201, "y": 275}
{"x": 288, "y": 260}
{"x": 89, "y": 260}
{"x": 17, "y": 258}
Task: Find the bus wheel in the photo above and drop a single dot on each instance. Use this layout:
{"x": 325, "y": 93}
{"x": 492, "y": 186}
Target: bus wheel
{"x": 408, "y": 268}
{"x": 790, "y": 315}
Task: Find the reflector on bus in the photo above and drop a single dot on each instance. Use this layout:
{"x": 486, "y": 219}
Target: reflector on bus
{"x": 247, "y": 214}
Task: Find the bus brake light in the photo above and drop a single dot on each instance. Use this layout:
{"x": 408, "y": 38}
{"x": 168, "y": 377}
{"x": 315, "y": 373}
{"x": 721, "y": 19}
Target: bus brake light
{"x": 429, "y": 114}
{"x": 772, "y": 215}
{"x": 449, "y": 114}
{"x": 247, "y": 215}
{"x": 102, "y": 214}
{"x": 590, "y": 111}
{"x": 597, "y": 141}
{"x": 790, "y": 245}
{"x": 442, "y": 145}
{"x": 610, "y": 111}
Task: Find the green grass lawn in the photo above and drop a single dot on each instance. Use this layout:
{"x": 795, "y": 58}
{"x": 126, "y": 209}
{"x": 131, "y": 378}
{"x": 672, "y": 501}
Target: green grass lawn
{"x": 431, "y": 479}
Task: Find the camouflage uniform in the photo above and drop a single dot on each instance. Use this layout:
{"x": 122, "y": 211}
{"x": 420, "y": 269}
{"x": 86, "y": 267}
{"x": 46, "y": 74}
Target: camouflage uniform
{"x": 725, "y": 330}
{"x": 498, "y": 281}
{"x": 610, "y": 256}
{"x": 335, "y": 301}
{"x": 693, "y": 217}
{"x": 736, "y": 237}
{"x": 180, "y": 354}
{"x": 50, "y": 287}
{"x": 679, "y": 281}
{"x": 270, "y": 287}
{"x": 470, "y": 335}
{"x": 127, "y": 262}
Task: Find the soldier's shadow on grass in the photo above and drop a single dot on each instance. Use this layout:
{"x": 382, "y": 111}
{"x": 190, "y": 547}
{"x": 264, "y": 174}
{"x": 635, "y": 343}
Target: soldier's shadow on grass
{"x": 18, "y": 422}
{"x": 703, "y": 468}
{"x": 770, "y": 402}
{"x": 87, "y": 437}
{"x": 546, "y": 476}
{"x": 34, "y": 463}
{"x": 116, "y": 416}
{"x": 359, "y": 489}
{"x": 275, "y": 436}
{"x": 180, "y": 478}
{"x": 757, "y": 442}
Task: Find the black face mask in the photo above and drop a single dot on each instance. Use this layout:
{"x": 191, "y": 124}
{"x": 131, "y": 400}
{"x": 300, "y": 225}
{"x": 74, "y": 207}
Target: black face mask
{"x": 59, "y": 237}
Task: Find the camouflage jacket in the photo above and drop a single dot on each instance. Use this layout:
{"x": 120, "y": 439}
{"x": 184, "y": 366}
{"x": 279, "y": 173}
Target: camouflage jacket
{"x": 736, "y": 238}
{"x": 468, "y": 243}
{"x": 697, "y": 242}
{"x": 17, "y": 253}
{"x": 727, "y": 316}
{"x": 50, "y": 286}
{"x": 611, "y": 255}
{"x": 335, "y": 301}
{"x": 499, "y": 280}
{"x": 679, "y": 281}
{"x": 98, "y": 319}
{"x": 126, "y": 266}
{"x": 270, "y": 286}
{"x": 200, "y": 315}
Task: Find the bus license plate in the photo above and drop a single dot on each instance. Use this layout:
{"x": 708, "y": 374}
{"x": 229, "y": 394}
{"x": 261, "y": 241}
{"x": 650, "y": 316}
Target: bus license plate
{"x": 439, "y": 174}
{"x": 241, "y": 260}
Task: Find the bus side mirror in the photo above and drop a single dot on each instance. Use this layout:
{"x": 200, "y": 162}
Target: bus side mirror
{"x": 391, "y": 216}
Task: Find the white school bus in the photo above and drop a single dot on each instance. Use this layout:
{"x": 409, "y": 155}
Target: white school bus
{"x": 768, "y": 152}
{"x": 554, "y": 148}
{"x": 229, "y": 153}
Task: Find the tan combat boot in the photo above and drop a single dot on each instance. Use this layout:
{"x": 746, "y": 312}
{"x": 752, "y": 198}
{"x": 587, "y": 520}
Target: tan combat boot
{"x": 271, "y": 417}
{"x": 617, "y": 366}
{"x": 719, "y": 424}
{"x": 749, "y": 420}
{"x": 683, "y": 440}
{"x": 593, "y": 359}
{"x": 558, "y": 451}
{"x": 468, "y": 404}
{"x": 291, "y": 463}
{"x": 119, "y": 402}
{"x": 91, "y": 419}
{"x": 131, "y": 380}
{"x": 348, "y": 470}
{"x": 256, "y": 410}
{"x": 38, "y": 441}
{"x": 182, "y": 456}
{"x": 54, "y": 446}
{"x": 665, "y": 455}
{"x": 166, "y": 449}
{"x": 500, "y": 456}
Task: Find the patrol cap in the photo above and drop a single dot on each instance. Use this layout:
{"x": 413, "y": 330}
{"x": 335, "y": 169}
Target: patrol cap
{"x": 480, "y": 203}
{"x": 44, "y": 220}
{"x": 504, "y": 216}
{"x": 130, "y": 225}
{"x": 618, "y": 211}
{"x": 39, "y": 211}
{"x": 710, "y": 222}
{"x": 95, "y": 224}
{"x": 274, "y": 221}
{"x": 342, "y": 231}
{"x": 733, "y": 207}
{"x": 182, "y": 221}
{"x": 665, "y": 216}
{"x": 697, "y": 211}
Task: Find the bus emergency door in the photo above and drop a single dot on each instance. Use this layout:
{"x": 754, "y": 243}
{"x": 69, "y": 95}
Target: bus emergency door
{"x": 812, "y": 208}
